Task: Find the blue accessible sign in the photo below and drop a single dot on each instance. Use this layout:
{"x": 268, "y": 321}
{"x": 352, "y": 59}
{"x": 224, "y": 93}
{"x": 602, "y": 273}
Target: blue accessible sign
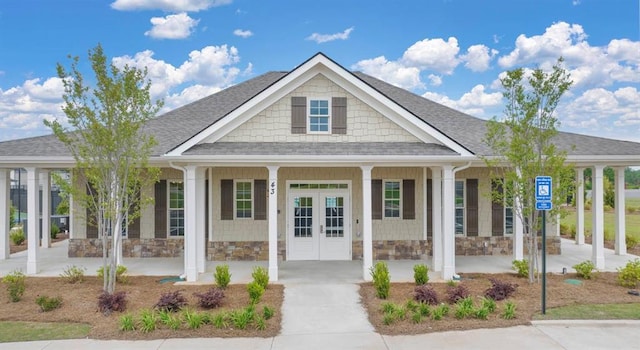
{"x": 544, "y": 186}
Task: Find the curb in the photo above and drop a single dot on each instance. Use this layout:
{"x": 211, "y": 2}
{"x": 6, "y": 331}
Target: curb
{"x": 585, "y": 322}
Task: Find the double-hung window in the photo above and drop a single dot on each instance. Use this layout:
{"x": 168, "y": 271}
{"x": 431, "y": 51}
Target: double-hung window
{"x": 243, "y": 199}
{"x": 319, "y": 118}
{"x": 508, "y": 210}
{"x": 459, "y": 199}
{"x": 176, "y": 209}
{"x": 392, "y": 199}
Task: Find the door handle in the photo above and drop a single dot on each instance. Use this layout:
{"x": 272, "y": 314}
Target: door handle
{"x": 321, "y": 229}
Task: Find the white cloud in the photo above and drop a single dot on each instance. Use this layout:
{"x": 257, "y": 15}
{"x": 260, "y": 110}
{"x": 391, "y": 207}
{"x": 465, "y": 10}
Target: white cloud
{"x": 178, "y": 26}
{"x": 596, "y": 108}
{"x": 475, "y": 102}
{"x": 478, "y": 58}
{"x": 242, "y": 33}
{"x": 167, "y": 5}
{"x": 189, "y": 94}
{"x": 433, "y": 54}
{"x": 391, "y": 72}
{"x": 323, "y": 38}
{"x": 435, "y": 80}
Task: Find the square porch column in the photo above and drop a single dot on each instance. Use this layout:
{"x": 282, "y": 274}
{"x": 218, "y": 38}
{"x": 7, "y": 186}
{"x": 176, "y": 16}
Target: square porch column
{"x": 273, "y": 222}
{"x": 436, "y": 194}
{"x": 579, "y": 206}
{"x": 33, "y": 224}
{"x": 367, "y": 223}
{"x": 621, "y": 229}
{"x": 45, "y": 182}
{"x": 597, "y": 203}
{"x": 518, "y": 229}
{"x": 194, "y": 245}
{"x": 448, "y": 219}
{"x": 5, "y": 212}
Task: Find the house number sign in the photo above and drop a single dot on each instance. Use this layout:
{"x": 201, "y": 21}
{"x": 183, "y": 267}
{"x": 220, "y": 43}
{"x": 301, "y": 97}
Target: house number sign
{"x": 273, "y": 188}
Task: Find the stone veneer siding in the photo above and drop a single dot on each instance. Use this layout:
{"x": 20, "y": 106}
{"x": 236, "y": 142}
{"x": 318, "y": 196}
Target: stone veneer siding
{"x": 131, "y": 248}
{"x": 242, "y": 251}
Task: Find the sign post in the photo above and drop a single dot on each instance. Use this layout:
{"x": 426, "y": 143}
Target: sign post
{"x": 544, "y": 186}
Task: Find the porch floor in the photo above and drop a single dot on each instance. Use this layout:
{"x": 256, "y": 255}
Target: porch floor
{"x": 53, "y": 261}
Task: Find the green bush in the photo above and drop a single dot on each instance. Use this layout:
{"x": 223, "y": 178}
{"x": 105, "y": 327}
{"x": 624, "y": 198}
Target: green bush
{"x": 54, "y": 231}
{"x": 629, "y": 276}
{"x": 261, "y": 276}
{"x": 121, "y": 273}
{"x": 48, "y": 303}
{"x": 421, "y": 274}
{"x": 585, "y": 269}
{"x": 15, "y": 285}
{"x": 381, "y": 279}
{"x": 17, "y": 236}
{"x": 222, "y": 276}
{"x": 567, "y": 229}
{"x": 509, "y": 312}
{"x": 127, "y": 323}
{"x": 521, "y": 267}
{"x": 73, "y": 274}
{"x": 255, "y": 290}
{"x": 631, "y": 241}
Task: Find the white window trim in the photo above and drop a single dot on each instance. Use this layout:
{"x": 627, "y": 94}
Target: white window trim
{"x": 235, "y": 199}
{"x": 328, "y": 99}
{"x": 169, "y": 181}
{"x": 384, "y": 212}
{"x": 464, "y": 207}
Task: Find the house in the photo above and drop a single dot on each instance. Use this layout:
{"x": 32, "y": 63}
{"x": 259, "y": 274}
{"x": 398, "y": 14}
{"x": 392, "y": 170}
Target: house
{"x": 318, "y": 163}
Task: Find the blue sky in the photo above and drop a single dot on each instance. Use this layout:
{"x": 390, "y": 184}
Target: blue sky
{"x": 451, "y": 51}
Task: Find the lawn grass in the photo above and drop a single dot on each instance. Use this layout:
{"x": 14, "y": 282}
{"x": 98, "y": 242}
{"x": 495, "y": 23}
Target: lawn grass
{"x": 632, "y": 221}
{"x": 34, "y": 331}
{"x": 593, "y": 312}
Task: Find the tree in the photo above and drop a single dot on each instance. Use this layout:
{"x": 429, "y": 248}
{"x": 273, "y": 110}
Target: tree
{"x": 523, "y": 148}
{"x": 111, "y": 151}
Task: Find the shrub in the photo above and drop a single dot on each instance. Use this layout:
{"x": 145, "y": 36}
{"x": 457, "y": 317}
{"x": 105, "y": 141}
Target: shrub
{"x": 220, "y": 320}
{"x": 631, "y": 241}
{"x": 381, "y": 279}
{"x": 261, "y": 276}
{"x": 241, "y": 318}
{"x": 411, "y": 305}
{"x": 268, "y": 312}
{"x": 522, "y": 267}
{"x": 416, "y": 317}
{"x": 15, "y": 285}
{"x": 210, "y": 299}
{"x": 509, "y": 312}
{"x": 148, "y": 321}
{"x": 222, "y": 276}
{"x": 439, "y": 312}
{"x": 126, "y": 323}
{"x": 489, "y": 304}
{"x": 425, "y": 294}
{"x": 481, "y": 313}
{"x": 500, "y": 290}
{"x": 54, "y": 231}
{"x": 585, "y": 269}
{"x": 459, "y": 292}
{"x": 569, "y": 230}
{"x": 629, "y": 275}
{"x": 261, "y": 325}
{"x": 171, "y": 301}
{"x": 48, "y": 303}
{"x": 169, "y": 319}
{"x": 73, "y": 274}
{"x": 464, "y": 308}
{"x": 108, "y": 303}
{"x": 193, "y": 318}
{"x": 421, "y": 274}
{"x": 255, "y": 290}
{"x": 121, "y": 273}
{"x": 17, "y": 236}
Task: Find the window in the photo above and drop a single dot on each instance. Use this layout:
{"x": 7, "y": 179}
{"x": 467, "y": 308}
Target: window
{"x": 319, "y": 116}
{"x": 508, "y": 210}
{"x": 459, "y": 207}
{"x": 392, "y": 199}
{"x": 176, "y": 209}
{"x": 243, "y": 200}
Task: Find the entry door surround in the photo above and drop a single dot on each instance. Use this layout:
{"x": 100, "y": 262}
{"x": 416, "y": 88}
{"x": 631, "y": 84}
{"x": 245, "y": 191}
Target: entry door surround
{"x": 318, "y": 220}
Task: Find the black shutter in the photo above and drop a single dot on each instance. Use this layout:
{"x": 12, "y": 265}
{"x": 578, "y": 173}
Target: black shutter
{"x": 298, "y": 115}
{"x": 339, "y": 115}
{"x": 376, "y": 199}
{"x": 497, "y": 212}
{"x": 226, "y": 199}
{"x": 133, "y": 230}
{"x": 160, "y": 208}
{"x": 260, "y": 199}
{"x": 409, "y": 199}
{"x": 472, "y": 207}
{"x": 429, "y": 208}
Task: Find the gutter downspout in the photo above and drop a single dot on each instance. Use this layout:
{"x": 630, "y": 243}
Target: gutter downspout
{"x": 184, "y": 180}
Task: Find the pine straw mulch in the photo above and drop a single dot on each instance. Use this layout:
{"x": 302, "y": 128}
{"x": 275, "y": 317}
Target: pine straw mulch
{"x": 603, "y": 289}
{"x": 79, "y": 304}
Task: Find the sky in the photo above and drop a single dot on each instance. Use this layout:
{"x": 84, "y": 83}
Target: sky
{"x": 450, "y": 51}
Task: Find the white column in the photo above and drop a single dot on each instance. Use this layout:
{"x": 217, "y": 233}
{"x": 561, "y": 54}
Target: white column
{"x": 436, "y": 239}
{"x": 211, "y": 206}
{"x": 448, "y": 219}
{"x": 518, "y": 232}
{"x": 5, "y": 202}
{"x": 367, "y": 223}
{"x": 273, "y": 222}
{"x": 579, "y": 206}
{"x": 597, "y": 203}
{"x": 191, "y": 218}
{"x": 425, "y": 223}
{"x": 201, "y": 239}
{"x": 33, "y": 224}
{"x": 620, "y": 242}
{"x": 45, "y": 182}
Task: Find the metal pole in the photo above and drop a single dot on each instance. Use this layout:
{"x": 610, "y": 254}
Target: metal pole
{"x": 544, "y": 262}
{"x": 19, "y": 197}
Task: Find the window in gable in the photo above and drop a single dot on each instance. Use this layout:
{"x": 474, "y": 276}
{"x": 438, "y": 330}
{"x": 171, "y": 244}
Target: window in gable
{"x": 319, "y": 118}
